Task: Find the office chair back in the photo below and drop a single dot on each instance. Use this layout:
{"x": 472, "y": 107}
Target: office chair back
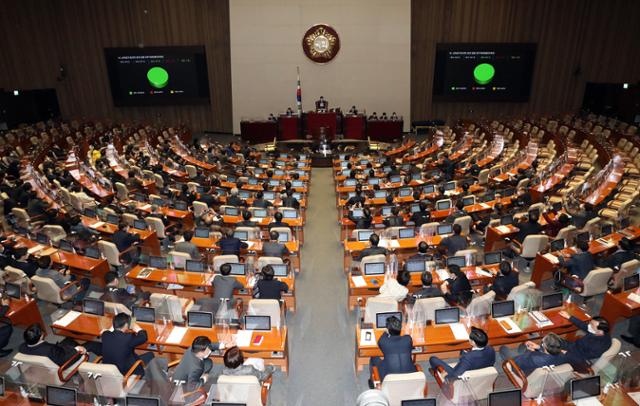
{"x": 596, "y": 282}
{"x": 481, "y": 305}
{"x": 220, "y": 260}
{"x": 428, "y": 306}
{"x": 399, "y": 387}
{"x": 376, "y": 305}
{"x": 475, "y": 385}
{"x": 245, "y": 389}
{"x": 265, "y": 307}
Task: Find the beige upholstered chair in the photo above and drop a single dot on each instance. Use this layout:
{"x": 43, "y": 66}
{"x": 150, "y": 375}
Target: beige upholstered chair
{"x": 172, "y": 307}
{"x": 48, "y": 291}
{"x": 399, "y": 387}
{"x": 537, "y": 382}
{"x": 596, "y": 282}
{"x": 245, "y": 389}
{"x": 106, "y": 380}
{"x": 473, "y": 385}
{"x": 220, "y": 260}
{"x": 179, "y": 259}
{"x": 481, "y": 305}
{"x": 264, "y": 261}
{"x": 429, "y": 305}
{"x": 265, "y": 307}
{"x": 54, "y": 232}
{"x": 375, "y": 305}
{"x": 40, "y": 369}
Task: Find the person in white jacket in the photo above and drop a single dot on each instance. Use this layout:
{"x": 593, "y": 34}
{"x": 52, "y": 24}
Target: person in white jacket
{"x": 396, "y": 288}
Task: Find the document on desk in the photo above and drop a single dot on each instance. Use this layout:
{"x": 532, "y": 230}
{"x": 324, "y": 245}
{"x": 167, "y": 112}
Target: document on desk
{"x": 508, "y": 325}
{"x": 485, "y": 206}
{"x": 459, "y": 331}
{"x": 363, "y": 337}
{"x": 243, "y": 338}
{"x": 394, "y": 244}
{"x": 35, "y": 249}
{"x": 359, "y": 281}
{"x": 551, "y": 258}
{"x": 634, "y": 297}
{"x": 442, "y": 274}
{"x": 482, "y": 272}
{"x": 635, "y": 396}
{"x": 97, "y": 224}
{"x": 503, "y": 229}
{"x": 177, "y": 333}
{"x": 173, "y": 286}
{"x": 250, "y": 244}
{"x": 65, "y": 320}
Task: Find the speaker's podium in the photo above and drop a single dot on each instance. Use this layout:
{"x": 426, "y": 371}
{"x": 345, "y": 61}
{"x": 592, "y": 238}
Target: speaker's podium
{"x": 289, "y": 127}
{"x": 314, "y": 121}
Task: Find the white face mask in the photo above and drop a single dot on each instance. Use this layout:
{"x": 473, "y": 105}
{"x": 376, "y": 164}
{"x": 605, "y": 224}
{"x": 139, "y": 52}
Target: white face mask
{"x": 591, "y": 329}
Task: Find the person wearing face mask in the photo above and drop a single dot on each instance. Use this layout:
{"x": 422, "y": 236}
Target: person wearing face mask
{"x": 195, "y": 365}
{"x": 481, "y": 355}
{"x": 591, "y": 345}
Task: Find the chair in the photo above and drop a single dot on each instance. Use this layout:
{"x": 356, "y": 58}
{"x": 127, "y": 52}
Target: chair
{"x": 626, "y": 269}
{"x": 156, "y": 225}
{"x": 159, "y": 181}
{"x": 372, "y": 259}
{"x": 481, "y": 305}
{"x": 372, "y": 397}
{"x": 245, "y": 389}
{"x": 106, "y": 379}
{"x": 23, "y": 218}
{"x": 465, "y": 223}
{"x": 116, "y": 308}
{"x": 48, "y": 291}
{"x": 199, "y": 208}
{"x": 537, "y": 383}
{"x": 283, "y": 231}
{"x": 531, "y": 245}
{"x": 54, "y": 232}
{"x": 483, "y": 177}
{"x": 174, "y": 307}
{"x": 429, "y": 306}
{"x": 399, "y": 387}
{"x": 192, "y": 172}
{"x": 592, "y": 225}
{"x": 595, "y": 283}
{"x": 429, "y": 228}
{"x": 472, "y": 386}
{"x": 252, "y": 232}
{"x": 220, "y": 260}
{"x": 519, "y": 289}
{"x": 567, "y": 233}
{"x": 375, "y": 305}
{"x": 265, "y": 307}
{"x": 443, "y": 201}
{"x": 122, "y": 192}
{"x": 605, "y": 359}
{"x": 179, "y": 259}
{"x": 40, "y": 369}
{"x": 264, "y": 261}
{"x": 111, "y": 253}
{"x": 465, "y": 252}
{"x": 129, "y": 219}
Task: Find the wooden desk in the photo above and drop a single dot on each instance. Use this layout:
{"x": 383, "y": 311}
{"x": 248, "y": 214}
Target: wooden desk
{"x": 296, "y": 224}
{"x": 544, "y": 266}
{"x": 25, "y": 313}
{"x": 148, "y": 238}
{"x": 398, "y": 246}
{"x": 401, "y": 149}
{"x": 274, "y": 348}
{"x": 609, "y": 184}
{"x": 439, "y": 339}
{"x": 617, "y": 305}
{"x": 496, "y": 235}
{"x": 198, "y": 284}
{"x": 183, "y": 216}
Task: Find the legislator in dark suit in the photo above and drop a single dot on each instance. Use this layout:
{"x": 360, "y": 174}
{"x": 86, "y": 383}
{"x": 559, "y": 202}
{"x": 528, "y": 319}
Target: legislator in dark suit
{"x": 57, "y": 353}
{"x": 503, "y": 284}
{"x": 527, "y": 228}
{"x": 231, "y": 245}
{"x": 118, "y": 348}
{"x": 580, "y": 264}
{"x": 191, "y": 368}
{"x": 587, "y": 347}
{"x": 476, "y": 358}
{"x": 396, "y": 351}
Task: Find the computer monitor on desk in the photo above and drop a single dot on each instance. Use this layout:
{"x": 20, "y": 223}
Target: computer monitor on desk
{"x": 113, "y": 219}
{"x": 415, "y": 266}
{"x": 582, "y": 237}
{"x": 259, "y": 213}
{"x": 447, "y": 315}
{"x": 231, "y": 211}
{"x": 373, "y": 181}
{"x": 66, "y": 246}
{"x": 91, "y": 306}
{"x": 504, "y": 308}
{"x": 92, "y": 252}
{"x": 506, "y": 220}
{"x": 444, "y": 229}
{"x": 241, "y": 235}
{"x": 280, "y": 270}
{"x": 139, "y": 224}
{"x": 419, "y": 402}
{"x": 468, "y": 201}
{"x": 202, "y": 232}
{"x": 42, "y": 239}
{"x": 381, "y": 318}
{"x": 631, "y": 282}
{"x": 406, "y": 233}
{"x": 200, "y": 319}
{"x": 269, "y": 195}
{"x": 606, "y": 229}
{"x": 380, "y": 194}
{"x": 13, "y": 290}
{"x": 511, "y": 397}
{"x": 142, "y": 401}
{"x": 428, "y": 189}
{"x": 551, "y": 301}
{"x": 58, "y": 396}
{"x": 450, "y": 186}
{"x": 374, "y": 268}
{"x": 260, "y": 323}
{"x": 491, "y": 258}
{"x": 194, "y": 266}
{"x": 584, "y": 389}
{"x": 460, "y": 261}
{"x": 144, "y": 314}
{"x": 556, "y": 245}
{"x": 157, "y": 262}
{"x": 238, "y": 269}
{"x": 386, "y": 211}
{"x": 405, "y": 192}
{"x": 443, "y": 205}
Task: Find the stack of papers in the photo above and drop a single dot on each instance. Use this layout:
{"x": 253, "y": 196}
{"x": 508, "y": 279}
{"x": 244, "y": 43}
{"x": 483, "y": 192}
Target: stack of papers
{"x": 442, "y": 274}
{"x": 359, "y": 281}
{"x": 65, "y": 320}
{"x": 97, "y": 224}
{"x": 551, "y": 258}
{"x": 635, "y": 297}
{"x": 394, "y": 244}
{"x": 503, "y": 229}
{"x": 243, "y": 338}
{"x": 177, "y": 333}
{"x": 363, "y": 337}
{"x": 459, "y": 331}
{"x": 508, "y": 325}
{"x": 35, "y": 249}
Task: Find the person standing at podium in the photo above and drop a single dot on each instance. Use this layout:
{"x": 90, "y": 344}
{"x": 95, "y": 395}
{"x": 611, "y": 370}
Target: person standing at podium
{"x": 322, "y": 105}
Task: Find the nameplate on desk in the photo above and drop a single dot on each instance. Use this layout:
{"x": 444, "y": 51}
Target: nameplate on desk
{"x": 363, "y": 337}
{"x": 67, "y": 319}
{"x": 359, "y": 281}
{"x": 503, "y": 229}
{"x": 605, "y": 241}
{"x": 634, "y": 297}
{"x": 97, "y": 224}
{"x": 551, "y": 258}
{"x": 177, "y": 333}
{"x": 508, "y": 325}
{"x": 459, "y": 331}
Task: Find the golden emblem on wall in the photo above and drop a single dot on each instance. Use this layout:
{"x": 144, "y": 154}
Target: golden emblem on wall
{"x": 321, "y": 43}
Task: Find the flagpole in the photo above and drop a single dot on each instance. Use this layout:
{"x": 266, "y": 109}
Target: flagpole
{"x": 299, "y": 94}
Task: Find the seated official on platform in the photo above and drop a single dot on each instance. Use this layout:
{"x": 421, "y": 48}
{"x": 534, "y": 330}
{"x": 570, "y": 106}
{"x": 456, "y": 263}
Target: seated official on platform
{"x": 505, "y": 280}
{"x": 119, "y": 345}
{"x": 396, "y": 351}
{"x": 187, "y": 246}
{"x": 427, "y": 290}
{"x": 530, "y": 355}
{"x": 268, "y": 287}
{"x": 235, "y": 365}
{"x": 230, "y": 245}
{"x": 454, "y": 243}
{"x": 59, "y": 353}
{"x": 481, "y": 355}
{"x": 396, "y": 288}
{"x": 577, "y": 266}
{"x": 457, "y": 288}
{"x": 195, "y": 365}
{"x": 273, "y": 248}
{"x": 595, "y": 341}
{"x": 322, "y": 105}
{"x": 373, "y": 248}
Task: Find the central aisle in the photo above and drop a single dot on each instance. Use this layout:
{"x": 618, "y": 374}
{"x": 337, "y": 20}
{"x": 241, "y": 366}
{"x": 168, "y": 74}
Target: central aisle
{"x": 321, "y": 341}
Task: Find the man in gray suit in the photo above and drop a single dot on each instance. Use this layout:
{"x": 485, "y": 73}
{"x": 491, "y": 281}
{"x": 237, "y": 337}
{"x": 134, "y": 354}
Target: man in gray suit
{"x": 223, "y": 287}
{"x": 61, "y": 280}
{"x": 187, "y": 246}
{"x": 273, "y": 248}
{"x": 195, "y": 365}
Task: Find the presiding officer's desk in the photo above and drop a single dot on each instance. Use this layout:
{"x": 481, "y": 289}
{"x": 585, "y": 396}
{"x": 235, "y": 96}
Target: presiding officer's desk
{"x": 546, "y": 264}
{"x": 197, "y": 285}
{"x": 274, "y": 348}
{"x": 439, "y": 339}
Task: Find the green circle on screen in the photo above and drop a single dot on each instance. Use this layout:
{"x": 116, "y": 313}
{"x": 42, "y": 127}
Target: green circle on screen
{"x": 158, "y": 77}
{"x": 483, "y": 73}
